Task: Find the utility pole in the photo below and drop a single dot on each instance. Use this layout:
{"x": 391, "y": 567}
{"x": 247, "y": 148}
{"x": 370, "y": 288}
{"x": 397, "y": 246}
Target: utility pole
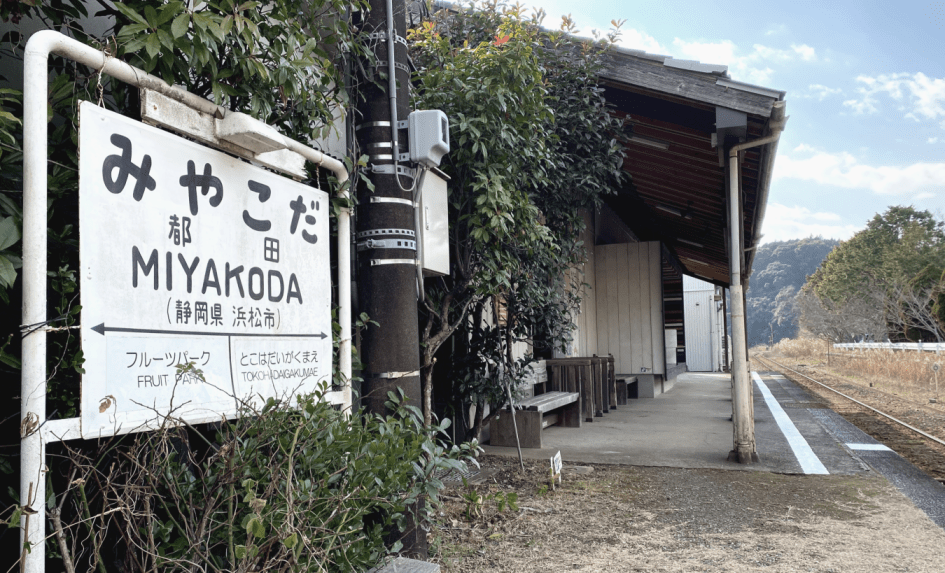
{"x": 386, "y": 233}
{"x": 386, "y": 237}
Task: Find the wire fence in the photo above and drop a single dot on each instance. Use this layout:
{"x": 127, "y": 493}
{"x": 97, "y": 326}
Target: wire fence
{"x": 936, "y": 347}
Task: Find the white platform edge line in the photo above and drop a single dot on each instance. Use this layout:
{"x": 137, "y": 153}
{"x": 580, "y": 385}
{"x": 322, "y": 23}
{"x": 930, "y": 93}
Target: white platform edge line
{"x": 869, "y": 447}
{"x": 809, "y": 461}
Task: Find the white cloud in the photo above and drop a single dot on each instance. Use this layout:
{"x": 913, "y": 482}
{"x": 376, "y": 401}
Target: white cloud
{"x": 821, "y": 92}
{"x": 845, "y": 171}
{"x": 933, "y": 140}
{"x": 805, "y": 52}
{"x": 639, "y": 40}
{"x": 752, "y": 67}
{"x": 825, "y": 216}
{"x": 861, "y": 106}
{"x": 783, "y": 223}
{"x": 723, "y": 52}
{"x": 802, "y": 52}
{"x": 720, "y": 52}
{"x": 920, "y": 96}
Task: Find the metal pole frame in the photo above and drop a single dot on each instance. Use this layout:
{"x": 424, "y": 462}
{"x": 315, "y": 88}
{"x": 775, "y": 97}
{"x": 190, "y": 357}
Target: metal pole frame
{"x": 35, "y": 431}
{"x": 743, "y": 409}
{"x": 744, "y": 446}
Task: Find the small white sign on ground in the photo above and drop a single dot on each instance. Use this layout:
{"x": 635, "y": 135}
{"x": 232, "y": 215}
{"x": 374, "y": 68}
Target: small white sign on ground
{"x": 555, "y": 468}
{"x": 191, "y": 256}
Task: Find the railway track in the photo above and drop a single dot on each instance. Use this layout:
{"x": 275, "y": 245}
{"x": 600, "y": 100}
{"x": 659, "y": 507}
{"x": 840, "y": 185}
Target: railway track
{"x": 915, "y": 433}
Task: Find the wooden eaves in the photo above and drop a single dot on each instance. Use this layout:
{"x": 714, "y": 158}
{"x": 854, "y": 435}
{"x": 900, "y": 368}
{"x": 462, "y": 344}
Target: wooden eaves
{"x": 684, "y": 116}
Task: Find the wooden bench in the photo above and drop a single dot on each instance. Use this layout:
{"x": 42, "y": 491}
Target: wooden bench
{"x": 539, "y": 377}
{"x": 533, "y": 415}
{"x": 626, "y": 388}
{"x": 611, "y": 381}
{"x": 574, "y": 375}
{"x": 605, "y": 384}
{"x": 601, "y": 398}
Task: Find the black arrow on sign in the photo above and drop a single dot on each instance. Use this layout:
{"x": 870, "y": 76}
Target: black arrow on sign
{"x": 102, "y": 329}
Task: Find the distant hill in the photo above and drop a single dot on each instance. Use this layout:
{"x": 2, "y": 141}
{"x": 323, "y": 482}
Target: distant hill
{"x": 779, "y": 271}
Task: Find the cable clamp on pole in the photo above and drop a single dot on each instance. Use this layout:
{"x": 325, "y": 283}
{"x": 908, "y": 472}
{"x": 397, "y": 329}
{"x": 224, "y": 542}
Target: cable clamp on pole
{"x": 387, "y": 244}
{"x": 380, "y": 262}
{"x": 391, "y": 170}
{"x": 392, "y": 375}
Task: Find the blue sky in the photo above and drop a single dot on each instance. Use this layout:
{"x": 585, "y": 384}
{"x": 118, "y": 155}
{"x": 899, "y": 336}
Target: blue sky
{"x": 865, "y": 85}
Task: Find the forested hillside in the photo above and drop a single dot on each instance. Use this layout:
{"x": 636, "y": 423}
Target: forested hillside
{"x": 886, "y": 282}
{"x": 779, "y": 271}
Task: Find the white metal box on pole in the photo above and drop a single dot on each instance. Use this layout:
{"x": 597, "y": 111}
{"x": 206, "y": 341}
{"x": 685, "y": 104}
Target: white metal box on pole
{"x": 434, "y": 221}
{"x": 429, "y": 138}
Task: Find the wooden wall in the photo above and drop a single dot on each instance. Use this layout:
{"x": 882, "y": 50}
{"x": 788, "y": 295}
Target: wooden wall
{"x": 629, "y": 306}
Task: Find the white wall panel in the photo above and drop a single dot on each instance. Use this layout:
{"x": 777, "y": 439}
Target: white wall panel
{"x": 655, "y": 281}
{"x": 645, "y": 318}
{"x": 698, "y": 307}
{"x": 589, "y": 306}
{"x": 629, "y": 306}
{"x": 621, "y": 312}
{"x": 635, "y": 326}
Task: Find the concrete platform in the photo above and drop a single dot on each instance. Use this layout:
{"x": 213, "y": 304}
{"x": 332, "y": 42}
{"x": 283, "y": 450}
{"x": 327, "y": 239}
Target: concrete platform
{"x": 690, "y": 427}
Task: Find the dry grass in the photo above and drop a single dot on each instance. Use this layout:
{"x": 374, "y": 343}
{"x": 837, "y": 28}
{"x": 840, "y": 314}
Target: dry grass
{"x": 811, "y": 349}
{"x": 918, "y": 376}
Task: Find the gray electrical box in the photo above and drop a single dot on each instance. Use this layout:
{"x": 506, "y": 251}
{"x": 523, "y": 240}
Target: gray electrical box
{"x": 429, "y": 136}
{"x": 434, "y": 224}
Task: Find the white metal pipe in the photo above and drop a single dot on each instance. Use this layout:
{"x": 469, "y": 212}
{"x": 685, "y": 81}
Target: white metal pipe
{"x": 742, "y": 407}
{"x": 344, "y": 257}
{"x": 47, "y": 42}
{"x": 733, "y": 152}
{"x": 33, "y": 372}
{"x": 392, "y": 81}
{"x": 418, "y": 222}
{"x": 776, "y": 124}
{"x": 344, "y": 298}
{"x": 343, "y": 242}
{"x": 744, "y": 439}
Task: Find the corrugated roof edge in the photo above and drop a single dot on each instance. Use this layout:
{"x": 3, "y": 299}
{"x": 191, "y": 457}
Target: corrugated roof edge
{"x": 714, "y": 69}
{"x": 751, "y": 88}
{"x": 669, "y": 61}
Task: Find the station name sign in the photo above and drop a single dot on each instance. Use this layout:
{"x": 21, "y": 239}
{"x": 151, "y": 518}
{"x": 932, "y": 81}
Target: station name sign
{"x": 192, "y": 257}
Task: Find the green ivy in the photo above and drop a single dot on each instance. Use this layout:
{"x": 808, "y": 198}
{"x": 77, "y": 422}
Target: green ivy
{"x": 532, "y": 143}
{"x": 277, "y": 61}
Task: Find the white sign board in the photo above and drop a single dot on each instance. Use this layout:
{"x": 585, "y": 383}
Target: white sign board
{"x": 556, "y": 468}
{"x": 189, "y": 255}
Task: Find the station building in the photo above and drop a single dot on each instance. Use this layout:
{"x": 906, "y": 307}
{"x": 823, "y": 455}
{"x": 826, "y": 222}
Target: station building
{"x": 672, "y": 223}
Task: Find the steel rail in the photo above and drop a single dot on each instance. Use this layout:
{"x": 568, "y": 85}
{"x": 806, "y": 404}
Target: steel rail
{"x": 883, "y": 414}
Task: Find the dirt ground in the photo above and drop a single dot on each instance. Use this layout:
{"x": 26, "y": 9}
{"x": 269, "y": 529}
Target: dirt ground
{"x": 613, "y": 518}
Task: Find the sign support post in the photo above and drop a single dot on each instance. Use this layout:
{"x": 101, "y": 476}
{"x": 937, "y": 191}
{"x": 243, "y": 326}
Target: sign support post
{"x": 34, "y": 428}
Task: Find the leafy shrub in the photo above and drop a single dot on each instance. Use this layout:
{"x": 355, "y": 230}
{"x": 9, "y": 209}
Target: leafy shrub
{"x": 306, "y": 488}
